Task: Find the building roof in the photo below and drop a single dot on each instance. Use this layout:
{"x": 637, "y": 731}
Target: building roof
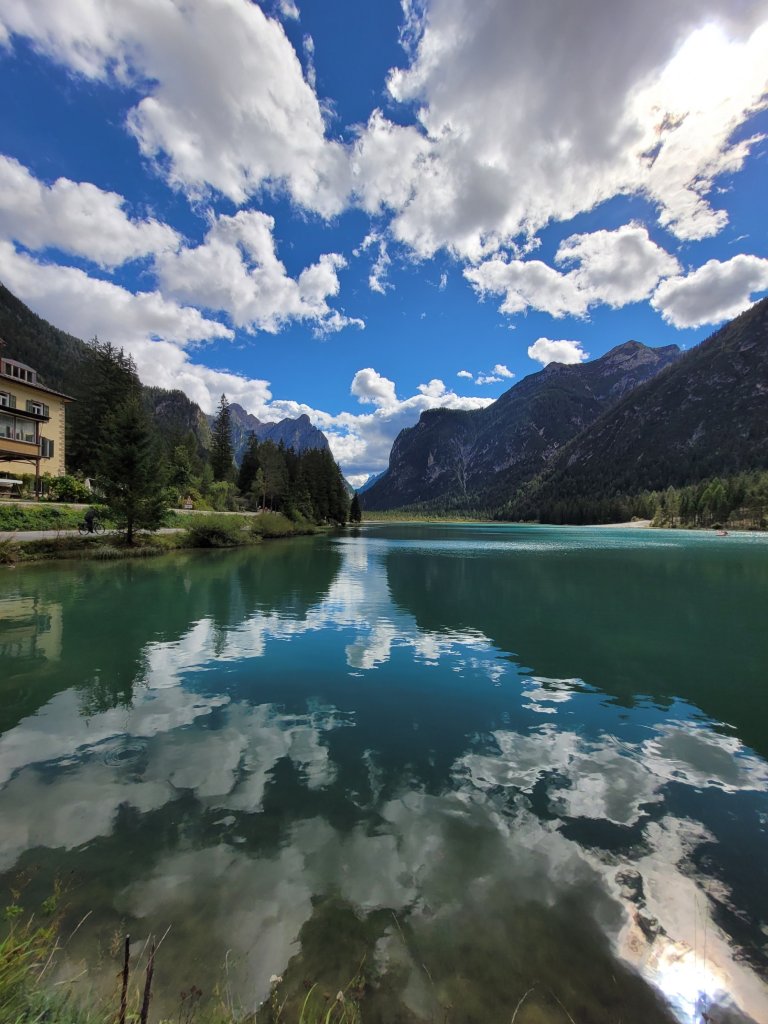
{"x": 36, "y": 386}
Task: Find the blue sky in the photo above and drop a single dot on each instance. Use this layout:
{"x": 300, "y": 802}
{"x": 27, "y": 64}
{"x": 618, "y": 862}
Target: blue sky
{"x": 362, "y": 210}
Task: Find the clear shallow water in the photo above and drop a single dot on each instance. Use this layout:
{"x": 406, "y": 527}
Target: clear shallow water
{"x": 486, "y": 759}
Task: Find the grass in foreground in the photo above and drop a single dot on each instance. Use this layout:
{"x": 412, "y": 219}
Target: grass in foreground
{"x": 28, "y": 955}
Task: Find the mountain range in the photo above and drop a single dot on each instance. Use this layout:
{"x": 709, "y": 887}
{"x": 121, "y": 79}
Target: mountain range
{"x": 298, "y": 433}
{"x": 706, "y": 416}
{"x": 636, "y": 419}
{"x": 482, "y": 456}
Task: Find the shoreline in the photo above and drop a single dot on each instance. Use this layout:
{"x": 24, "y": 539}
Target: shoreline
{"x": 70, "y": 545}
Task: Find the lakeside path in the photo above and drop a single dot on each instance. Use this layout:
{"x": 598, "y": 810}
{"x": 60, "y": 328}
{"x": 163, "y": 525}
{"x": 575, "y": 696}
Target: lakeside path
{"x": 23, "y": 535}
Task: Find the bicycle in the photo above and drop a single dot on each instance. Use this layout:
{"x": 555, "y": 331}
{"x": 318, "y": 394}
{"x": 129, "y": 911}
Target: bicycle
{"x": 97, "y": 527}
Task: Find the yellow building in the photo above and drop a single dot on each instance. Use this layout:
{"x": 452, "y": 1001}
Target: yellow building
{"x": 31, "y": 423}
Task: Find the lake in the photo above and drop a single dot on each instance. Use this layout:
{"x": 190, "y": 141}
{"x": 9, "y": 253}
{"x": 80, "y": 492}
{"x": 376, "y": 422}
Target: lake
{"x": 472, "y": 765}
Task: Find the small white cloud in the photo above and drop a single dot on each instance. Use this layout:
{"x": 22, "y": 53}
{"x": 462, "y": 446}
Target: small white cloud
{"x": 435, "y": 388}
{"x": 288, "y": 9}
{"x": 487, "y": 378}
{"x": 371, "y": 388}
{"x": 443, "y": 282}
{"x": 545, "y": 351}
{"x": 377, "y": 279}
{"x": 713, "y": 293}
{"x": 500, "y": 370}
{"x": 465, "y": 373}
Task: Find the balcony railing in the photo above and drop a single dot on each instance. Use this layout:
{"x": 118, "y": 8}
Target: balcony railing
{"x": 11, "y": 446}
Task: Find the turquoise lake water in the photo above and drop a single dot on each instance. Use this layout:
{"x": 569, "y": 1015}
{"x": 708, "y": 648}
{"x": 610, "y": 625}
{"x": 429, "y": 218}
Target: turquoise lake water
{"x": 484, "y": 762}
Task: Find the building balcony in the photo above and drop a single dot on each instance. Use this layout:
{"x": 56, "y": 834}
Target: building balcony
{"x": 11, "y": 448}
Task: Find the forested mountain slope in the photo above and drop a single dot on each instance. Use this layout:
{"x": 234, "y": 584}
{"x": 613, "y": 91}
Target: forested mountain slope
{"x": 706, "y": 416}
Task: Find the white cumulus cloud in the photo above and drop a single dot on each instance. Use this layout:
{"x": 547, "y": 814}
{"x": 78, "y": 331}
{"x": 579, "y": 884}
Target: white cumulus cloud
{"x": 534, "y": 115}
{"x": 500, "y": 370}
{"x": 465, "y": 373}
{"x": 75, "y": 217}
{"x": 371, "y": 388}
{"x": 434, "y": 389}
{"x": 524, "y": 115}
{"x": 528, "y": 283}
{"x": 715, "y": 292}
{"x": 87, "y": 306}
{"x": 236, "y": 269}
{"x": 288, "y": 9}
{"x": 607, "y": 268}
{"x": 224, "y": 102}
{"x": 616, "y": 267}
{"x": 545, "y": 351}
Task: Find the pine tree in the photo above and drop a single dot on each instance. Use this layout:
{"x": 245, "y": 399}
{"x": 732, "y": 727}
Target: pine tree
{"x": 249, "y": 465}
{"x": 355, "y": 513}
{"x": 180, "y": 470}
{"x": 129, "y": 479}
{"x": 222, "y": 452}
{"x": 272, "y": 463}
{"x": 108, "y": 378}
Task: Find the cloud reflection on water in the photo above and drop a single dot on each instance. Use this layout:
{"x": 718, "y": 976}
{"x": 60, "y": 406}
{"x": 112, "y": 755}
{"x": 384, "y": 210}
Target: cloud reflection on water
{"x": 504, "y": 819}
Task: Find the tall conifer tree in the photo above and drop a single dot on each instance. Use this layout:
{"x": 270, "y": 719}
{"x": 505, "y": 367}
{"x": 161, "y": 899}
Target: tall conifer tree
{"x": 130, "y": 480}
{"x": 222, "y": 451}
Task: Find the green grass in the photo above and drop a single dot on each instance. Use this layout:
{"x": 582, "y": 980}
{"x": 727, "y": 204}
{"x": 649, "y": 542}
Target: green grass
{"x": 75, "y": 546}
{"x": 40, "y": 517}
{"x": 29, "y": 950}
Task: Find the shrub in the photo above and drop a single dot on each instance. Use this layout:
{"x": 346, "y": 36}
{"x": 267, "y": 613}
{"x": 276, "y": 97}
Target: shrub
{"x": 275, "y": 524}
{"x": 272, "y": 524}
{"x": 68, "y": 488}
{"x": 9, "y": 551}
{"x": 215, "y": 532}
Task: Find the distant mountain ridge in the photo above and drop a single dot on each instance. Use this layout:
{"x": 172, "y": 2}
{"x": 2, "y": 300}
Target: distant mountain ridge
{"x": 481, "y": 457}
{"x": 372, "y": 479}
{"x": 299, "y": 434}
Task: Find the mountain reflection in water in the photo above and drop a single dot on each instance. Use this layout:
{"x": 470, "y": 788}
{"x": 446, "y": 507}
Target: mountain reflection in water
{"x": 487, "y": 759}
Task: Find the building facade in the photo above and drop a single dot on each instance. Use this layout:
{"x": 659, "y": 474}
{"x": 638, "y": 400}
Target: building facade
{"x": 32, "y": 419}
